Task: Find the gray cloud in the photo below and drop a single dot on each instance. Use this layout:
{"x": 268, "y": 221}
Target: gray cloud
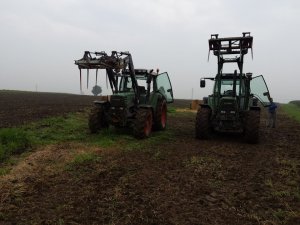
{"x": 40, "y": 39}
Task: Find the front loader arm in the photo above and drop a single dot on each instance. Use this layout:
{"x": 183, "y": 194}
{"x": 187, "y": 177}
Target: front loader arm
{"x": 113, "y": 64}
{"x": 129, "y": 62}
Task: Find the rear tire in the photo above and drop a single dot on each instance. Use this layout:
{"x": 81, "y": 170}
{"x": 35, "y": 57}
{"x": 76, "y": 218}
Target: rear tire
{"x": 97, "y": 120}
{"x": 142, "y": 125}
{"x": 160, "y": 121}
{"x": 251, "y": 131}
{"x": 203, "y": 124}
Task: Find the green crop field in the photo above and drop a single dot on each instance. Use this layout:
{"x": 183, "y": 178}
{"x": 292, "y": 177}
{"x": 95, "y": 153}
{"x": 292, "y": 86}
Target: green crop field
{"x": 297, "y": 102}
{"x": 292, "y": 109}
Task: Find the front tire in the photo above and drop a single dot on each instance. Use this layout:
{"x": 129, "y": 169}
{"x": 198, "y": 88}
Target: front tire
{"x": 203, "y": 124}
{"x": 97, "y": 120}
{"x": 143, "y": 123}
{"x": 251, "y": 130}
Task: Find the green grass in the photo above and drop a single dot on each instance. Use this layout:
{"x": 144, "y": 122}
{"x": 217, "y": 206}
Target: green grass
{"x": 47, "y": 131}
{"x": 292, "y": 110}
{"x": 284, "y": 188}
{"x": 13, "y": 141}
{"x": 83, "y": 159}
{"x": 296, "y": 102}
{"x": 4, "y": 171}
{"x": 171, "y": 109}
{"x": 71, "y": 128}
{"x": 58, "y": 129}
{"x": 280, "y": 214}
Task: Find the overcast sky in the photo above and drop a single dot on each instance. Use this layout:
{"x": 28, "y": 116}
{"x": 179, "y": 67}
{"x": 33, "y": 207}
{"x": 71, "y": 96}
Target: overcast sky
{"x": 40, "y": 39}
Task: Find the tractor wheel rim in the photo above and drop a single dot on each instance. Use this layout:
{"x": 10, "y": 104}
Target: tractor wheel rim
{"x": 163, "y": 116}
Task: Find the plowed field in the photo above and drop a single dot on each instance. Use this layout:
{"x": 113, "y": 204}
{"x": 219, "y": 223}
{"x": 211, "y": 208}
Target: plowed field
{"x": 17, "y": 107}
{"x": 178, "y": 180}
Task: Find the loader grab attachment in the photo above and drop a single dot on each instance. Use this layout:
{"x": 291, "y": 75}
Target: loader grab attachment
{"x": 114, "y": 64}
{"x": 102, "y": 61}
{"x": 230, "y": 46}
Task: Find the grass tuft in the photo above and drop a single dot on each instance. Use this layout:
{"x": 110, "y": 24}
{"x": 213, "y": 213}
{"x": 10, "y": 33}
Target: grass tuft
{"x": 83, "y": 159}
{"x": 13, "y": 141}
{"x": 4, "y": 171}
{"x": 57, "y": 129}
{"x": 292, "y": 110}
{"x": 47, "y": 131}
{"x": 73, "y": 127}
{"x": 171, "y": 109}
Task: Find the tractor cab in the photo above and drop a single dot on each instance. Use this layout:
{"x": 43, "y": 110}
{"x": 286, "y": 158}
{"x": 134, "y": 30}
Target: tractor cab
{"x": 148, "y": 83}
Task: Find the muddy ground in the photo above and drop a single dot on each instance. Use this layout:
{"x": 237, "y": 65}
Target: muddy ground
{"x": 180, "y": 180}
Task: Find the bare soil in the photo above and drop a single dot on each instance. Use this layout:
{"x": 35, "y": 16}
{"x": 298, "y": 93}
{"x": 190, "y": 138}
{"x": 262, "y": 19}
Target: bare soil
{"x": 180, "y": 181}
{"x": 19, "y": 107}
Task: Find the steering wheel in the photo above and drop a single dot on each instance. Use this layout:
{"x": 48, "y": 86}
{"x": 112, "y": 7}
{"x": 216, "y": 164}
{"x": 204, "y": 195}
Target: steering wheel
{"x": 228, "y": 92}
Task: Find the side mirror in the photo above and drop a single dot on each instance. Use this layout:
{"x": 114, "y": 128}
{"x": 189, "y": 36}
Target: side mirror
{"x": 202, "y": 83}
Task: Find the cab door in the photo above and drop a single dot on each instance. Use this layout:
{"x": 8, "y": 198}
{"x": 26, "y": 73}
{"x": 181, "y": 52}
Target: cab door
{"x": 163, "y": 85}
{"x": 260, "y": 90}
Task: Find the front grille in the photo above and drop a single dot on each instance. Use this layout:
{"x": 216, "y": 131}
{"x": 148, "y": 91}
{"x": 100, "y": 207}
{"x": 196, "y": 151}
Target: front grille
{"x": 227, "y": 105}
{"x": 227, "y": 110}
{"x": 118, "y": 101}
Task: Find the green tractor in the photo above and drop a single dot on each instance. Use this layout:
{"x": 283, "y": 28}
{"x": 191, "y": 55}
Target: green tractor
{"x": 233, "y": 106}
{"x": 139, "y": 97}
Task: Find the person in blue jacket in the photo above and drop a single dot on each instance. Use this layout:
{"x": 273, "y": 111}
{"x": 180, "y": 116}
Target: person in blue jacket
{"x": 272, "y": 114}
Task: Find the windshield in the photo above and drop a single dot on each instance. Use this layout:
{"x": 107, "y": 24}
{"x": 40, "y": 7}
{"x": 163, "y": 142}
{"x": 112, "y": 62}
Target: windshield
{"x": 227, "y": 87}
{"x": 125, "y": 84}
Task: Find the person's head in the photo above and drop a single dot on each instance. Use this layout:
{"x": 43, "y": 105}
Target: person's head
{"x": 271, "y": 99}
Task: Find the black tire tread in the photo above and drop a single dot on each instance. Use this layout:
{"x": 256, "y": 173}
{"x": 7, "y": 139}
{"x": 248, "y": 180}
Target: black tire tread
{"x": 252, "y": 122}
{"x": 139, "y": 122}
{"x": 97, "y": 120}
{"x": 203, "y": 125}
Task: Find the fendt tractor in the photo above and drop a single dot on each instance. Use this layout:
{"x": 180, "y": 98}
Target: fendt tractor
{"x": 139, "y": 97}
{"x": 234, "y": 104}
